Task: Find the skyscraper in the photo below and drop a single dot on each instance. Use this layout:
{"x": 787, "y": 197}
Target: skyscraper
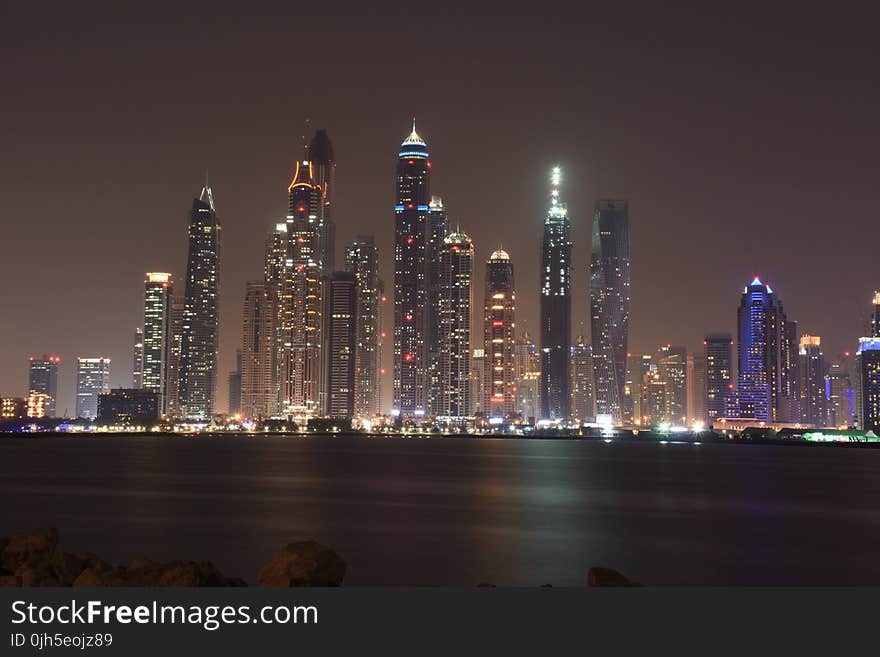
{"x": 672, "y": 365}
{"x": 137, "y": 364}
{"x": 454, "y": 331}
{"x": 499, "y": 324}
{"x": 718, "y": 373}
{"x": 197, "y": 375}
{"x": 304, "y": 285}
{"x": 258, "y": 354}
{"x": 478, "y": 372}
{"x": 556, "y": 308}
{"x": 273, "y": 328}
{"x": 92, "y": 379}
{"x": 178, "y": 317}
{"x": 410, "y": 277}
{"x": 362, "y": 259}
{"x": 839, "y": 408}
{"x": 342, "y": 343}
{"x": 437, "y": 229}
{"x": 765, "y": 339}
{"x": 323, "y": 166}
{"x": 696, "y": 388}
{"x": 158, "y": 291}
{"x": 528, "y": 378}
{"x": 868, "y": 375}
{"x": 582, "y": 380}
{"x": 43, "y": 380}
{"x": 812, "y": 380}
{"x": 609, "y": 304}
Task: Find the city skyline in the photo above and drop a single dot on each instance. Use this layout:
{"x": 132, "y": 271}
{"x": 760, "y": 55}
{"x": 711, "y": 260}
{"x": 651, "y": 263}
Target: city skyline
{"x": 713, "y": 194}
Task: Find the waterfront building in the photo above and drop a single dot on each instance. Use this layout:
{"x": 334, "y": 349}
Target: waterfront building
{"x": 43, "y": 380}
{"x": 129, "y": 407}
{"x": 92, "y": 379}
{"x": 718, "y": 373}
{"x": 362, "y": 259}
{"x": 137, "y": 363}
{"x": 582, "y": 380}
{"x": 342, "y": 345}
{"x": 812, "y": 380}
{"x": 498, "y": 398}
{"x": 158, "y": 372}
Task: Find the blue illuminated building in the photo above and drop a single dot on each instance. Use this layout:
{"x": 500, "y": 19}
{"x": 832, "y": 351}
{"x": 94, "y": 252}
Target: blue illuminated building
{"x": 411, "y": 284}
{"x": 767, "y": 358}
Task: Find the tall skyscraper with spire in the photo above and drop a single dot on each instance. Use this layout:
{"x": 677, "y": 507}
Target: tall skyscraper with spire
{"x": 454, "y": 332}
{"x": 556, "y": 307}
{"x": 437, "y": 230}
{"x": 499, "y": 324}
{"x": 304, "y": 295}
{"x": 609, "y": 304}
{"x": 867, "y": 375}
{"x": 199, "y": 340}
{"x": 411, "y": 288}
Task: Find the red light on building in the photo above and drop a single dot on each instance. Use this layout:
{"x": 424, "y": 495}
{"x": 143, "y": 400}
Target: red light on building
{"x": 409, "y": 318}
{"x": 410, "y": 206}
{"x": 411, "y": 162}
{"x": 497, "y": 323}
{"x": 408, "y": 357}
{"x": 455, "y": 247}
{"x": 409, "y": 240}
{"x": 301, "y": 208}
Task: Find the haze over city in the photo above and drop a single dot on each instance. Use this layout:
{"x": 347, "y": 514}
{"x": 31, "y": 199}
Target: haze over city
{"x": 736, "y": 161}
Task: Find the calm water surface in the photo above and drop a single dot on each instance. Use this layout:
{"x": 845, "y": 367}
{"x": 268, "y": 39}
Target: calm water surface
{"x": 459, "y": 511}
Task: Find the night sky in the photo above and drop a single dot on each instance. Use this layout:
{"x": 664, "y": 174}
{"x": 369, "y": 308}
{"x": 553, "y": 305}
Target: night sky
{"x": 746, "y": 141}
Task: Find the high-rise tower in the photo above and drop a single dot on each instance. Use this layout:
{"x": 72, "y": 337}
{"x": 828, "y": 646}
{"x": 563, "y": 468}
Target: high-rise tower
{"x": 199, "y": 335}
{"x": 499, "y": 314}
{"x": 43, "y": 383}
{"x": 812, "y": 380}
{"x": 361, "y": 259}
{"x": 137, "y": 361}
{"x": 582, "y": 380}
{"x": 158, "y": 292}
{"x": 92, "y": 379}
{"x": 454, "y": 331}
{"x": 609, "y": 304}
{"x": 437, "y": 229}
{"x": 556, "y": 308}
{"x": 410, "y": 277}
{"x": 304, "y": 295}
{"x": 323, "y": 166}
{"x": 718, "y": 373}
{"x": 341, "y": 344}
{"x": 766, "y": 362}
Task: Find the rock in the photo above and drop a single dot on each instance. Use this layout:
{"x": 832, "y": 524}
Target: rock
{"x": 29, "y": 547}
{"x": 143, "y": 572}
{"x": 4, "y": 541}
{"x": 598, "y": 576}
{"x": 37, "y": 575}
{"x": 7, "y": 581}
{"x": 92, "y": 577}
{"x": 305, "y": 563}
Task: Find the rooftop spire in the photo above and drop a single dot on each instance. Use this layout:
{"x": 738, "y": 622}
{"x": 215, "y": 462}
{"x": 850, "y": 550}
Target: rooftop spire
{"x": 557, "y": 208}
{"x": 414, "y": 139}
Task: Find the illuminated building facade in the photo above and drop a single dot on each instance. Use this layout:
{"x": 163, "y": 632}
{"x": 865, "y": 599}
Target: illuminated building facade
{"x": 342, "y": 344}
{"x": 257, "y": 353}
{"x": 528, "y": 378}
{"x": 868, "y": 375}
{"x": 323, "y": 167}
{"x": 696, "y": 388}
{"x": 718, "y": 373}
{"x": 582, "y": 380}
{"x": 411, "y": 288}
{"x": 454, "y": 332}
{"x": 43, "y": 380}
{"x": 609, "y": 305}
{"x": 672, "y": 366}
{"x": 303, "y": 385}
{"x": 129, "y": 407}
{"x": 767, "y": 359}
{"x": 277, "y": 307}
{"x": 478, "y": 382}
{"x": 499, "y": 324}
{"x": 556, "y": 307}
{"x": 158, "y": 292}
{"x": 13, "y": 408}
{"x": 437, "y": 228}
{"x": 39, "y": 405}
{"x": 92, "y": 379}
{"x": 197, "y": 374}
{"x": 362, "y": 259}
{"x": 812, "y": 380}
{"x": 840, "y": 406}
{"x": 137, "y": 363}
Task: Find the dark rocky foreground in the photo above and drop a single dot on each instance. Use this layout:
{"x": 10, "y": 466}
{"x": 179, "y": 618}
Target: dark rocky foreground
{"x": 36, "y": 559}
